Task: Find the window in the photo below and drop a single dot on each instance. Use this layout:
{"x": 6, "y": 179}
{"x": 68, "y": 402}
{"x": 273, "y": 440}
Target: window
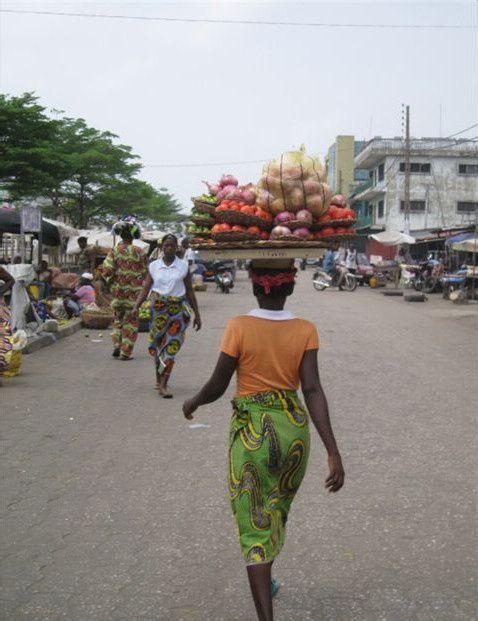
{"x": 466, "y": 207}
{"x": 380, "y": 209}
{"x": 414, "y": 206}
{"x": 416, "y": 167}
{"x": 381, "y": 172}
{"x": 468, "y": 169}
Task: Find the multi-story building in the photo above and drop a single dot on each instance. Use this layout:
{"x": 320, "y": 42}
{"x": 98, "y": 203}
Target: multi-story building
{"x": 342, "y": 175}
{"x": 443, "y": 183}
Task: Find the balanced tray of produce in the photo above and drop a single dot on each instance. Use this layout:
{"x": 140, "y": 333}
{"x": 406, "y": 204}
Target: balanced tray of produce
{"x": 291, "y": 207}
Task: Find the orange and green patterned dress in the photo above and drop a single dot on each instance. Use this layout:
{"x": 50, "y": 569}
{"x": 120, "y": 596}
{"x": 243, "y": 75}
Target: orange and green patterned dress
{"x": 125, "y": 269}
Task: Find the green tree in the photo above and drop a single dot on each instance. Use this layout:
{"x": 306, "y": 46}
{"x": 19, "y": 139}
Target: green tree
{"x": 30, "y": 165}
{"x": 84, "y": 173}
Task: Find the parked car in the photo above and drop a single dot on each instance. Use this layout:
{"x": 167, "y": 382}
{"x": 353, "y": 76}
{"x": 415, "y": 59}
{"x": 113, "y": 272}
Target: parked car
{"x": 364, "y": 268}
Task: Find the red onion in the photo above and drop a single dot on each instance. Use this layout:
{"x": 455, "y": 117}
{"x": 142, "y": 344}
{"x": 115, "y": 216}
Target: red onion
{"x": 304, "y": 216}
{"x": 338, "y": 200}
{"x": 301, "y": 233}
{"x": 248, "y": 196}
{"x": 228, "y": 180}
{"x": 226, "y": 192}
{"x": 280, "y": 231}
{"x": 213, "y": 188}
{"x": 283, "y": 217}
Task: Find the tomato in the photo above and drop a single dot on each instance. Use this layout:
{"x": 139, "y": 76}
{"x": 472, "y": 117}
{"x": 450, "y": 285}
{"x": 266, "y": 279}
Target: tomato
{"x": 337, "y": 213}
{"x": 221, "y": 207}
{"x": 216, "y": 228}
{"x": 349, "y": 214}
{"x": 254, "y": 230}
{"x": 341, "y": 230}
{"x": 224, "y": 228}
{"x": 226, "y": 202}
{"x": 237, "y": 228}
{"x": 327, "y": 231}
{"x": 325, "y": 218}
{"x": 264, "y": 235}
{"x": 234, "y": 206}
{"x": 248, "y": 209}
{"x": 268, "y": 216}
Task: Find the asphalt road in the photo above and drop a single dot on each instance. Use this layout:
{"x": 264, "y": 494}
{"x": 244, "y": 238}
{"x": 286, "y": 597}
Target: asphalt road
{"x": 113, "y": 507}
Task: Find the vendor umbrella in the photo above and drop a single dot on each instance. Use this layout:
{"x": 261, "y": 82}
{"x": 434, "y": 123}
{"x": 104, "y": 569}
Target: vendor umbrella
{"x": 10, "y": 222}
{"x": 393, "y": 238}
{"x": 466, "y": 245}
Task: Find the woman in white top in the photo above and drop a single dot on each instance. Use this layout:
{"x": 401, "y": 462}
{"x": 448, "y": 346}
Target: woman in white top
{"x": 172, "y": 297}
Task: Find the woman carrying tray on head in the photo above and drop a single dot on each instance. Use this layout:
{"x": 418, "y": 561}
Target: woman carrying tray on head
{"x": 172, "y": 296}
{"x": 272, "y": 352}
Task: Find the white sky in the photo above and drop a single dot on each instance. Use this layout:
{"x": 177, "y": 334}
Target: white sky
{"x": 185, "y": 93}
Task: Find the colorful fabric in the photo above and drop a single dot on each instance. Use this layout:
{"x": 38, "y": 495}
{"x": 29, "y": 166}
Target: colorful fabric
{"x": 85, "y": 295}
{"x": 125, "y": 268}
{"x": 268, "y": 453}
{"x": 268, "y": 280}
{"x": 170, "y": 319}
{"x": 6, "y": 345}
{"x": 125, "y": 329}
{"x": 248, "y": 337}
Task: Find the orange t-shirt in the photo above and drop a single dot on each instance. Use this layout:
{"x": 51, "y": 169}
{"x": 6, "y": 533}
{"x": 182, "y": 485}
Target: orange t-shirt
{"x": 269, "y": 351}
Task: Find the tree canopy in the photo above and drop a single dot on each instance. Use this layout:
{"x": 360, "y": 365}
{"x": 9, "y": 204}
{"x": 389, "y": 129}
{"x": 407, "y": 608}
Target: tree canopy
{"x": 83, "y": 173}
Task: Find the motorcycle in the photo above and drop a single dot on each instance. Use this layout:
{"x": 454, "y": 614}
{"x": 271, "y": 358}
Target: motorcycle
{"x": 223, "y": 278}
{"x": 322, "y": 280}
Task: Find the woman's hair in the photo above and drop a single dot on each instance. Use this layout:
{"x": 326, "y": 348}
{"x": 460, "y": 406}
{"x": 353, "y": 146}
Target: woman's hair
{"x": 169, "y": 236}
{"x": 273, "y": 282}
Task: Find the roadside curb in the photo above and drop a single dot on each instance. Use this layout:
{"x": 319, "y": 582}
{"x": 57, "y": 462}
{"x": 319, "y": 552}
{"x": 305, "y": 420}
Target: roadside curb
{"x": 44, "y": 339}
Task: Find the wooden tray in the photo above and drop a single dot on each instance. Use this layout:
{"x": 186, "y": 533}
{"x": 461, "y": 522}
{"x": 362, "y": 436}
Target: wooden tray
{"x": 236, "y": 217}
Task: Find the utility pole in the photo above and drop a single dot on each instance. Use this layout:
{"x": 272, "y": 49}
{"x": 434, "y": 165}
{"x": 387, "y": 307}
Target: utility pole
{"x": 407, "y": 171}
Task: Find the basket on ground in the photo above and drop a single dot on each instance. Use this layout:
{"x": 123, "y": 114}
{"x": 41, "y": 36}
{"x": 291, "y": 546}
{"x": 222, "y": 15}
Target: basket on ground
{"x": 97, "y": 320}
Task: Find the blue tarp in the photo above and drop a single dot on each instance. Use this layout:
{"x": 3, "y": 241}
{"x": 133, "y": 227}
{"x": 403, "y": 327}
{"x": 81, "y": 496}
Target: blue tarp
{"x": 459, "y": 238}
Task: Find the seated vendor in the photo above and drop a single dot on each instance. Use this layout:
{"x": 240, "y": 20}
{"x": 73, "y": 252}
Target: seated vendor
{"x": 44, "y": 274}
{"x": 84, "y": 294}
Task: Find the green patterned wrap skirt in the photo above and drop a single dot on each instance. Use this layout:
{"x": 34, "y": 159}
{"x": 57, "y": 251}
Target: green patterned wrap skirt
{"x": 268, "y": 453}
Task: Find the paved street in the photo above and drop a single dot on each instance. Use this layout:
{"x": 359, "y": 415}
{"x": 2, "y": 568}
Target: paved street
{"x": 114, "y": 508}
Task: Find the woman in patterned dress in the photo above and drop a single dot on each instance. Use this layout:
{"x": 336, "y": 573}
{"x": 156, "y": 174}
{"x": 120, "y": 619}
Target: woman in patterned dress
{"x": 272, "y": 352}
{"x": 172, "y": 296}
{"x": 125, "y": 269}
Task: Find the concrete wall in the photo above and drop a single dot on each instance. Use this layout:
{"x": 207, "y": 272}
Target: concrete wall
{"x": 441, "y": 189}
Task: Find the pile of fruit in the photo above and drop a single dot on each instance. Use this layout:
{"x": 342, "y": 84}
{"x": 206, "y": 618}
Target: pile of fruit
{"x": 291, "y": 201}
{"x": 337, "y": 220}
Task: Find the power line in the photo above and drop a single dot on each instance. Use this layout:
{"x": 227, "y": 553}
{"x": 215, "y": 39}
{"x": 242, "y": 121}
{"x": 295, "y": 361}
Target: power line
{"x": 463, "y": 130}
{"x": 243, "y": 21}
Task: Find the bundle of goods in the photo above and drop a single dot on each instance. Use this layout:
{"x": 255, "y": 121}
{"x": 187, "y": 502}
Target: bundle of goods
{"x": 291, "y": 206}
{"x": 293, "y": 189}
{"x": 96, "y": 318}
{"x": 144, "y": 316}
{"x": 336, "y": 222}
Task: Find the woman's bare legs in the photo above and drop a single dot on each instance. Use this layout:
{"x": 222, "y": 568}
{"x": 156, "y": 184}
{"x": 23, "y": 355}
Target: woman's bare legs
{"x": 260, "y": 582}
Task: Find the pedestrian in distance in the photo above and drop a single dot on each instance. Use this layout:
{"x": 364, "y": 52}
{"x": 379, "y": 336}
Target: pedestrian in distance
{"x": 125, "y": 269}
{"x": 272, "y": 352}
{"x": 169, "y": 285}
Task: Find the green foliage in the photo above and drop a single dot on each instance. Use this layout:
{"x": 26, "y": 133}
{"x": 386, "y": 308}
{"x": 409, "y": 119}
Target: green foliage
{"x": 84, "y": 172}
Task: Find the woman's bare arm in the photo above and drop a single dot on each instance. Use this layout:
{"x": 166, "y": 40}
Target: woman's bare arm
{"x": 191, "y": 298}
{"x": 143, "y": 294}
{"x": 316, "y": 403}
{"x": 215, "y": 387}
